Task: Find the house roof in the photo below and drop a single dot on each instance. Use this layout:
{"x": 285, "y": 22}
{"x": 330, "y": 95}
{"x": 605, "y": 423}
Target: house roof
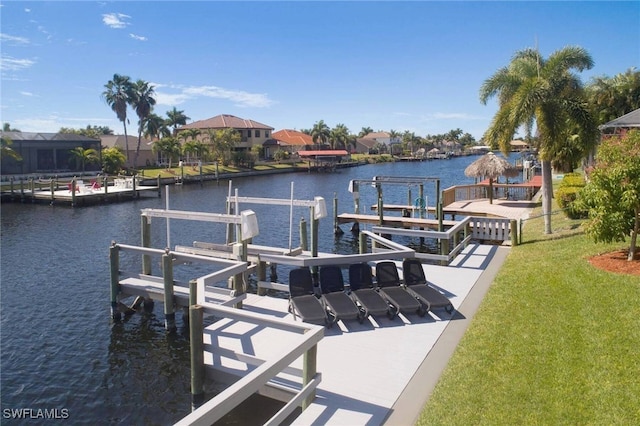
{"x": 631, "y": 119}
{"x": 34, "y": 136}
{"x": 369, "y": 143}
{"x": 375, "y": 135}
{"x": 225, "y": 121}
{"x": 119, "y": 141}
{"x": 292, "y": 137}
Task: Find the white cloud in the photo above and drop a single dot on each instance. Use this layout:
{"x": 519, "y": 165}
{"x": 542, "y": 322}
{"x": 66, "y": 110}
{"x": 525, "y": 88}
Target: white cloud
{"x": 454, "y": 116}
{"x": 170, "y": 99}
{"x": 115, "y": 20}
{"x": 29, "y": 94}
{"x": 7, "y": 63}
{"x": 13, "y": 39}
{"x": 239, "y": 97}
{"x": 137, "y": 37}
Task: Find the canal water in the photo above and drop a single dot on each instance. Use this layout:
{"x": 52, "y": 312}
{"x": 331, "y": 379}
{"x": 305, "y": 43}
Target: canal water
{"x": 61, "y": 353}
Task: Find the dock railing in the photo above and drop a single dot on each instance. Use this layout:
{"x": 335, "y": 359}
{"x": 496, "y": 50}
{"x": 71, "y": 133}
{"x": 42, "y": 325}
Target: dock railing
{"x": 197, "y": 296}
{"x": 476, "y": 192}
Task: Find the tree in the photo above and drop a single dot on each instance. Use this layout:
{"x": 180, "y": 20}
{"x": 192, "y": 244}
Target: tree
{"x": 82, "y": 157}
{"x": 612, "y": 194}
{"x": 5, "y": 149}
{"x": 176, "y": 118}
{"x": 195, "y": 148}
{"x": 222, "y": 142}
{"x": 112, "y": 160}
{"x": 169, "y": 148}
{"x": 365, "y": 131}
{"x": 339, "y": 136}
{"x": 613, "y": 97}
{"x": 116, "y": 95}
{"x": 142, "y": 100}
{"x": 6, "y": 127}
{"x": 320, "y": 132}
{"x": 533, "y": 90}
{"x": 155, "y": 127}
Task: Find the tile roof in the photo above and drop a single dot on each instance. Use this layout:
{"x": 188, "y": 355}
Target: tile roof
{"x": 292, "y": 137}
{"x": 328, "y": 152}
{"x": 368, "y": 142}
{"x": 225, "y": 121}
{"x": 377, "y": 135}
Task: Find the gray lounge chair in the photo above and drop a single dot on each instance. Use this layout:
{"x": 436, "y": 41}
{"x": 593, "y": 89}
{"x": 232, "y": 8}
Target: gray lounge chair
{"x": 342, "y": 307}
{"x": 302, "y": 299}
{"x": 416, "y": 282}
{"x": 392, "y": 290}
{"x": 362, "y": 291}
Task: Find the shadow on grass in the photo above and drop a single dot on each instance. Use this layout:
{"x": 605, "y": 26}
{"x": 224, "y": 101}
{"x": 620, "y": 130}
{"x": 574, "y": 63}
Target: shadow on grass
{"x": 556, "y": 236}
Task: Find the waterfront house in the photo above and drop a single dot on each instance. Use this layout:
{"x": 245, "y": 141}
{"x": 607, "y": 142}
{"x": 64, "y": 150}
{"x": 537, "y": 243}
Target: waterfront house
{"x": 46, "y": 152}
{"x": 288, "y": 140}
{"x": 251, "y": 132}
{"x": 366, "y": 146}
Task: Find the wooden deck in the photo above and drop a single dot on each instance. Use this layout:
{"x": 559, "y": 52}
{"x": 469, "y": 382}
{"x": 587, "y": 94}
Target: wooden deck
{"x": 365, "y": 367}
{"x": 392, "y": 221}
{"x": 84, "y": 196}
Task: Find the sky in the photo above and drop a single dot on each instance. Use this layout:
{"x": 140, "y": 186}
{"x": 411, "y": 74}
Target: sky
{"x": 415, "y": 66}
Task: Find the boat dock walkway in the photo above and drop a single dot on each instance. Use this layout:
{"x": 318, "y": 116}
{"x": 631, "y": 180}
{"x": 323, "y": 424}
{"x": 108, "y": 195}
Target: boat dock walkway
{"x": 381, "y": 371}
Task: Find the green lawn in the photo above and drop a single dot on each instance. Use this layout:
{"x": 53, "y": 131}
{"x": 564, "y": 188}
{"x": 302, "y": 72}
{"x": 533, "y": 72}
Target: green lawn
{"x": 555, "y": 341}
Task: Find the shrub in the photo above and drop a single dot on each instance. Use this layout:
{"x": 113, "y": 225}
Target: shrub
{"x": 567, "y": 193}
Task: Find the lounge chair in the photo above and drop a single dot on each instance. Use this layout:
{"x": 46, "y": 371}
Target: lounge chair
{"x": 362, "y": 291}
{"x": 302, "y": 299}
{"x": 389, "y": 284}
{"x": 336, "y": 299}
{"x": 416, "y": 282}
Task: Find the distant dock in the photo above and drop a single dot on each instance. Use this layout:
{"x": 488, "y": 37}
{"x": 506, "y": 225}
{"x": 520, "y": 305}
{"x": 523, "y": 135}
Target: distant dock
{"x": 76, "y": 192}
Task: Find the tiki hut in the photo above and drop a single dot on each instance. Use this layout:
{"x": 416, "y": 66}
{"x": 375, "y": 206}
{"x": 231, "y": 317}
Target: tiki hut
{"x": 490, "y": 166}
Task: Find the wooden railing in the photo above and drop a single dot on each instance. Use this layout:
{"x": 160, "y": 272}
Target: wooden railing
{"x": 476, "y": 192}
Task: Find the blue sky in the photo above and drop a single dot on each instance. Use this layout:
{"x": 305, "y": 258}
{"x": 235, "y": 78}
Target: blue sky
{"x": 414, "y": 66}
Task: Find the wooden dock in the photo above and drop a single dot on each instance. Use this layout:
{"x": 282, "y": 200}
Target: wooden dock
{"x": 394, "y": 221}
{"x": 82, "y": 195}
{"x": 453, "y": 212}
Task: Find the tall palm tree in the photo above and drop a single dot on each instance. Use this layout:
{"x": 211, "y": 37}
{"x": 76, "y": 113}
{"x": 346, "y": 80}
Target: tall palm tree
{"x": 155, "y": 127}
{"x": 142, "y": 100}
{"x": 616, "y": 96}
{"x": 222, "y": 142}
{"x": 116, "y": 95}
{"x": 189, "y": 134}
{"x": 6, "y": 151}
{"x": 176, "y": 118}
{"x": 195, "y": 148}
{"x": 320, "y": 132}
{"x": 533, "y": 90}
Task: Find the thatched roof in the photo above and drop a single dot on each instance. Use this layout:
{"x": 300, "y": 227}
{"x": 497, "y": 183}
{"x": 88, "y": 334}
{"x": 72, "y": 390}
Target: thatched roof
{"x": 490, "y": 166}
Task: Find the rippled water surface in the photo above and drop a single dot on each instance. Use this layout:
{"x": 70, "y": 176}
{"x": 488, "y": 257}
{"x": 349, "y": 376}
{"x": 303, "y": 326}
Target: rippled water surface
{"x": 60, "y": 349}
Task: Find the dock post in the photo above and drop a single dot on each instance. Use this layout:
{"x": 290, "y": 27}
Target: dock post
{"x": 438, "y": 198}
{"x": 114, "y": 258}
{"x": 513, "y": 228}
{"x": 304, "y": 241}
{"x": 11, "y": 187}
{"x": 52, "y": 187}
{"x": 133, "y": 185}
{"x": 240, "y": 252}
{"x": 159, "y": 188}
{"x": 196, "y": 337}
{"x": 146, "y": 242}
{"x": 308, "y": 373}
{"x": 362, "y": 243}
{"x": 336, "y": 228}
{"x": 356, "y": 197}
{"x": 440, "y": 216}
{"x": 380, "y": 205}
{"x": 167, "y": 273}
{"x": 409, "y": 199}
{"x": 314, "y": 243}
{"x": 261, "y": 275}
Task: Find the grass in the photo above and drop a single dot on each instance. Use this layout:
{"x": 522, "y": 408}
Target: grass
{"x": 555, "y": 341}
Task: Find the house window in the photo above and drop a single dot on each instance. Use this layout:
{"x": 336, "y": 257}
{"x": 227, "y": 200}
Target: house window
{"x": 257, "y": 133}
{"x": 266, "y": 133}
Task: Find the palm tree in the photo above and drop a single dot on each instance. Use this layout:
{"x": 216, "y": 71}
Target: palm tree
{"x": 116, "y": 95}
{"x": 532, "y": 90}
{"x": 168, "y": 148}
{"x": 195, "y": 148}
{"x": 84, "y": 156}
{"x": 142, "y": 100}
{"x": 222, "y": 142}
{"x": 365, "y": 131}
{"x": 339, "y": 136}
{"x": 112, "y": 160}
{"x": 176, "y": 118}
{"x": 321, "y": 132}
{"x": 614, "y": 97}
{"x": 6, "y": 151}
{"x": 155, "y": 127}
{"x": 189, "y": 134}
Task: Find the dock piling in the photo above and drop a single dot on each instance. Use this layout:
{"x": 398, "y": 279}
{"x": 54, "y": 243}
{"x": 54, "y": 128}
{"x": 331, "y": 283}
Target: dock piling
{"x": 196, "y": 337}
{"x": 114, "y": 257}
{"x": 167, "y": 273}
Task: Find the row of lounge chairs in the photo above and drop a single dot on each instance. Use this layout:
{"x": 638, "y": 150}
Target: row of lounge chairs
{"x": 388, "y": 296}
